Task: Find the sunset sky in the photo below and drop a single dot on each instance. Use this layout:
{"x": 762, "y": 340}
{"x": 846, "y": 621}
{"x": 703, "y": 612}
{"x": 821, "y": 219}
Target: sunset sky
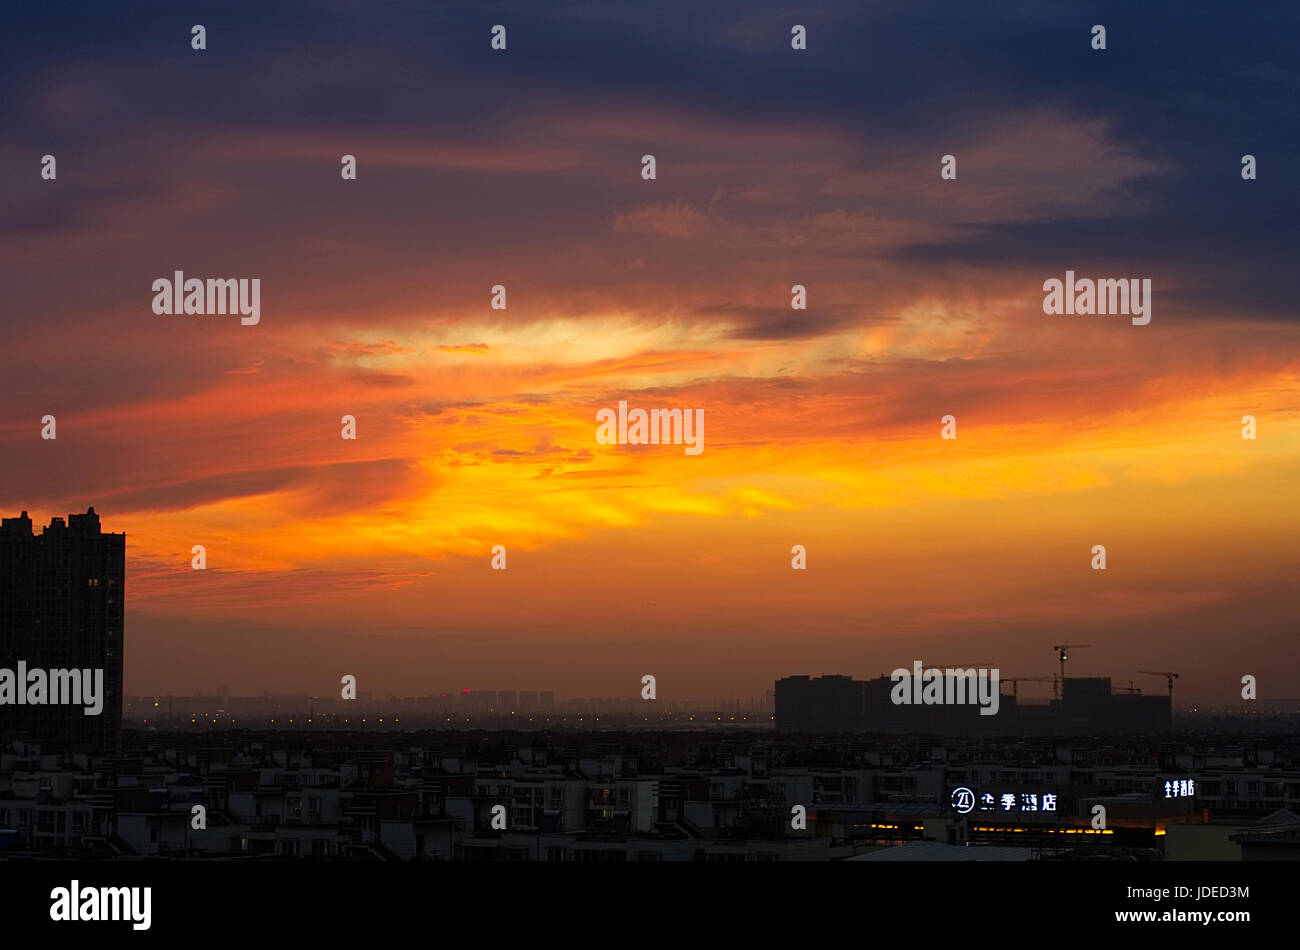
{"x": 822, "y": 427}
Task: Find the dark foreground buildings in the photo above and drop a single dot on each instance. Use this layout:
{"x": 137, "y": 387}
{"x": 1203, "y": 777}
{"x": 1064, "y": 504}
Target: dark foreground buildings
{"x": 613, "y": 796}
{"x": 61, "y": 598}
{"x": 841, "y": 704}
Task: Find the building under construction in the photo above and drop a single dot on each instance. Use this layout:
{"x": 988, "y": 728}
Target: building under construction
{"x": 1086, "y": 706}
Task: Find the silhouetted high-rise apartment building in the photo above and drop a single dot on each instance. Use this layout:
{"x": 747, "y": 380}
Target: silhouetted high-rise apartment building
{"x": 826, "y": 704}
{"x": 61, "y": 600}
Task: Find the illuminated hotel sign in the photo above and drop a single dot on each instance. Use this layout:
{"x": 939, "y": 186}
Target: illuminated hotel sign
{"x": 1180, "y": 788}
{"x": 964, "y": 801}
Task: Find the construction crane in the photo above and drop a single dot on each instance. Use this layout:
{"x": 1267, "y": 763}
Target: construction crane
{"x": 1062, "y": 652}
{"x": 1015, "y": 682}
{"x": 1131, "y": 689}
{"x": 1169, "y": 679}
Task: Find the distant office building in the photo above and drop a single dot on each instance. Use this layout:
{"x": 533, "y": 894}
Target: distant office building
{"x": 61, "y": 598}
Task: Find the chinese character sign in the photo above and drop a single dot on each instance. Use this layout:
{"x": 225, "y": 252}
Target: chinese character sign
{"x": 964, "y": 800}
{"x": 1180, "y": 788}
